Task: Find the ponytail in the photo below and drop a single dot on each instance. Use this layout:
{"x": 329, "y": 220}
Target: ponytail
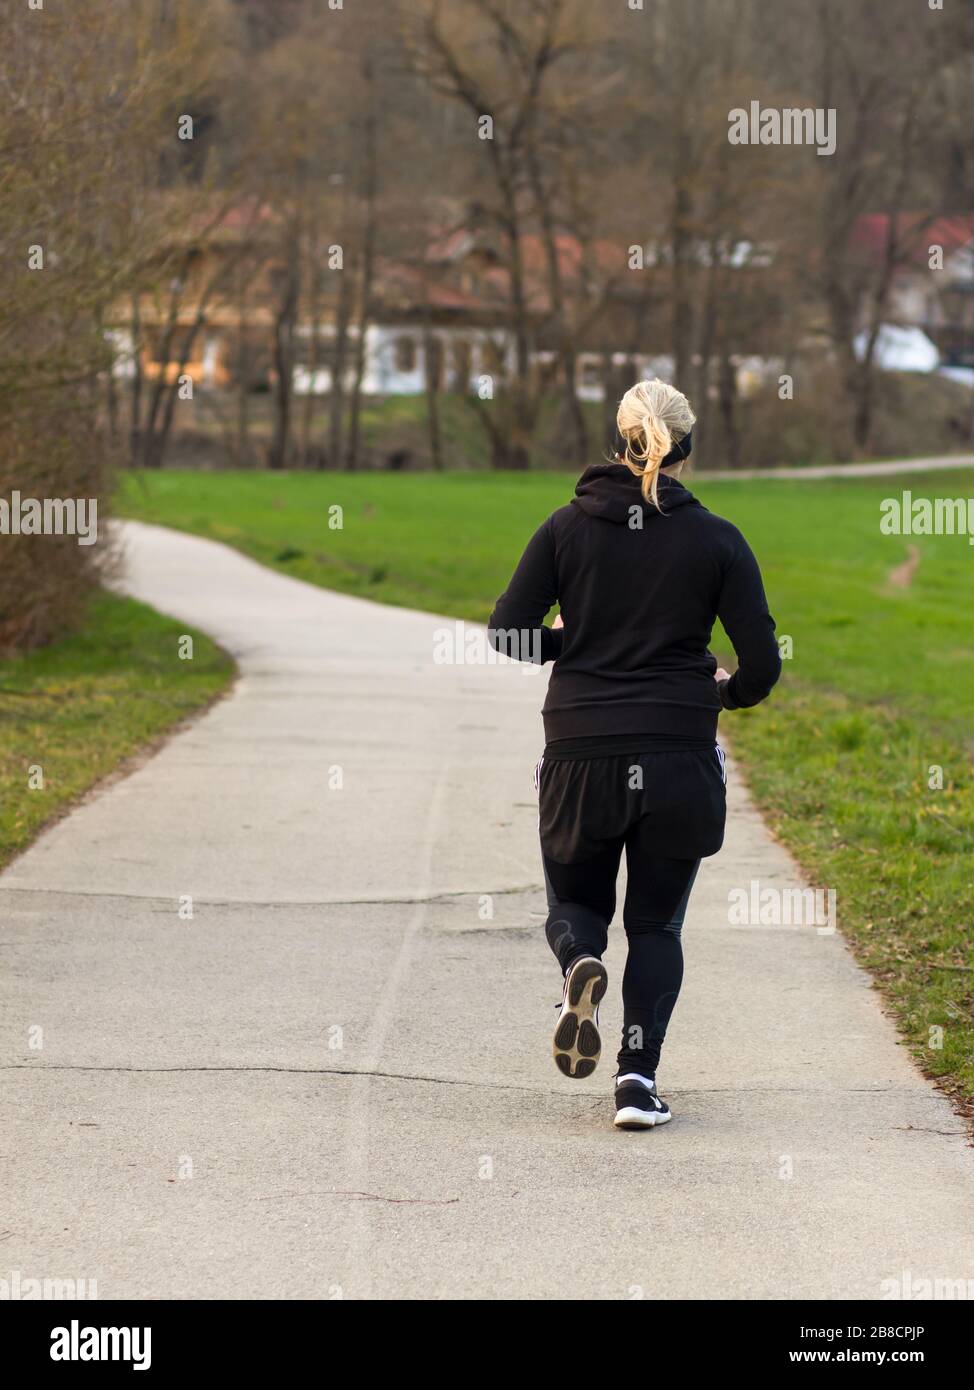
{"x": 652, "y": 417}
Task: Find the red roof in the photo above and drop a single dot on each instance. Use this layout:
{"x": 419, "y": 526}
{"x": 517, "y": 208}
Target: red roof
{"x": 602, "y": 254}
{"x": 915, "y": 231}
{"x": 461, "y": 255}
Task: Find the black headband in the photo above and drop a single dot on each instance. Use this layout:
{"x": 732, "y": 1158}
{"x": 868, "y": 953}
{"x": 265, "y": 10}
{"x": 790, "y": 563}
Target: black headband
{"x": 681, "y": 449}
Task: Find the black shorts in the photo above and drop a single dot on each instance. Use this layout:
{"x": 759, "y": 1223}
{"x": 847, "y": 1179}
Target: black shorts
{"x": 584, "y": 802}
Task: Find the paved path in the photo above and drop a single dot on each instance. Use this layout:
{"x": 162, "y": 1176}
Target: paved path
{"x": 351, "y": 1058}
{"x": 886, "y": 468}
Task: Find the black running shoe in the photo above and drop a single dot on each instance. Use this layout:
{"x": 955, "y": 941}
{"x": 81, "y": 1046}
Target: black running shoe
{"x": 637, "y": 1104}
{"x": 577, "y": 1045}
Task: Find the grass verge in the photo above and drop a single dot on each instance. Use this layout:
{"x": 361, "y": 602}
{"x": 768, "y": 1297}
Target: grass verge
{"x": 72, "y": 712}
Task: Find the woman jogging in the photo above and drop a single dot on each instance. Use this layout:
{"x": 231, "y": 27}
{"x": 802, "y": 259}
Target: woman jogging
{"x": 640, "y": 571}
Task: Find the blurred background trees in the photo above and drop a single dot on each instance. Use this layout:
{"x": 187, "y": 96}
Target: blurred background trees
{"x": 90, "y": 154}
{"x": 449, "y": 233}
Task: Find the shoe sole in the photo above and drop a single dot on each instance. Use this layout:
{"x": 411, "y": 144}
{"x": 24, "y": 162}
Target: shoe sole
{"x": 631, "y": 1118}
{"x": 577, "y": 1045}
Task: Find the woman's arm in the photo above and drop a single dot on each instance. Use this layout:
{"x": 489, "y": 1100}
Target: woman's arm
{"x": 515, "y": 626}
{"x": 743, "y": 610}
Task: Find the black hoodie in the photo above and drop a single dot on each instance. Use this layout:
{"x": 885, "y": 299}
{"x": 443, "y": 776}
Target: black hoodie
{"x": 639, "y": 590}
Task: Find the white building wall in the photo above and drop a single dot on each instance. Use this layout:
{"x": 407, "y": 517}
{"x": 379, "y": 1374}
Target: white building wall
{"x": 121, "y": 342}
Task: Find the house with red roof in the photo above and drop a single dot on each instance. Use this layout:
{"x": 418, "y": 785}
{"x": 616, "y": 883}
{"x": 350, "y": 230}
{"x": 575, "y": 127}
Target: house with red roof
{"x": 933, "y": 278}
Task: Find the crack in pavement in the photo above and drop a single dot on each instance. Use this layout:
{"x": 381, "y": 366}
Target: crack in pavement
{"x": 448, "y": 895}
{"x": 471, "y": 1085}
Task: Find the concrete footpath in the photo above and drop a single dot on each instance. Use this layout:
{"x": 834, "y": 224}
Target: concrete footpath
{"x": 885, "y": 468}
{"x": 335, "y": 1079}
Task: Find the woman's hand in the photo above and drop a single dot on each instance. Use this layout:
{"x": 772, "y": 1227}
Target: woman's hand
{"x": 558, "y": 622}
{"x": 721, "y": 675}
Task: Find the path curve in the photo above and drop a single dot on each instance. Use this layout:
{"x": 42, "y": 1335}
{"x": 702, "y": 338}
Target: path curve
{"x": 885, "y": 468}
{"x": 335, "y": 1078}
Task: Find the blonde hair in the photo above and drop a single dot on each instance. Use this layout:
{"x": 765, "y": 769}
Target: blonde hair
{"x": 652, "y": 417}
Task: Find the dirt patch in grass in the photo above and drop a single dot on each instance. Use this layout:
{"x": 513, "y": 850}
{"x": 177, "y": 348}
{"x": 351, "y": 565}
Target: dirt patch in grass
{"x": 902, "y": 576}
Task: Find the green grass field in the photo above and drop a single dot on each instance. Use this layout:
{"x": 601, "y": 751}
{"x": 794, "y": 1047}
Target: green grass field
{"x": 79, "y": 707}
{"x": 878, "y": 692}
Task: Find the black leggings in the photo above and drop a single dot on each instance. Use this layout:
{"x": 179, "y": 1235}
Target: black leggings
{"x": 581, "y": 902}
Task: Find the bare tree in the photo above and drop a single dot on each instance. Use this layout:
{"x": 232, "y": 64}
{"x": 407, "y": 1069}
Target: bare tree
{"x": 496, "y": 64}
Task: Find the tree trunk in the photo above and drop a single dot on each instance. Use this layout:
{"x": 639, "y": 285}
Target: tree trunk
{"x": 135, "y": 427}
{"x": 243, "y": 379}
{"x": 432, "y": 357}
{"x": 355, "y": 401}
{"x": 157, "y": 439}
{"x": 336, "y": 404}
{"x": 563, "y": 339}
{"x": 727, "y": 400}
{"x": 506, "y": 455}
{"x": 111, "y": 396}
{"x": 314, "y": 308}
{"x": 284, "y": 364}
{"x": 368, "y": 265}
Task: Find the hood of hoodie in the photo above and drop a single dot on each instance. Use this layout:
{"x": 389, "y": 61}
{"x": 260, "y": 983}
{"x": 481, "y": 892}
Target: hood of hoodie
{"x": 611, "y": 490}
